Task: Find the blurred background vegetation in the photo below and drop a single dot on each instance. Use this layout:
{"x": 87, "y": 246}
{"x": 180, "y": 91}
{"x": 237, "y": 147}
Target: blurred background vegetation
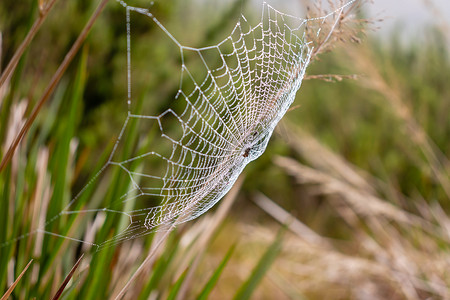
{"x": 358, "y": 173}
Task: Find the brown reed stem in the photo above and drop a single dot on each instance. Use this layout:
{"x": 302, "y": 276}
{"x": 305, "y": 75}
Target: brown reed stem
{"x": 43, "y": 13}
{"x": 52, "y": 85}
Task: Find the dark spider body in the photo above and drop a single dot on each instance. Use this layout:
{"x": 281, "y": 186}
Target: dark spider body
{"x": 246, "y": 152}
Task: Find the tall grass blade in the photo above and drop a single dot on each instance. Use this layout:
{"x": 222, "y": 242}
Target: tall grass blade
{"x": 176, "y": 287}
{"x": 5, "y": 231}
{"x": 215, "y": 276}
{"x": 250, "y": 285}
{"x": 161, "y": 267}
{"x": 60, "y": 162}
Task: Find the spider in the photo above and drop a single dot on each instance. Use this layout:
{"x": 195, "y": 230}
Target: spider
{"x": 246, "y": 152}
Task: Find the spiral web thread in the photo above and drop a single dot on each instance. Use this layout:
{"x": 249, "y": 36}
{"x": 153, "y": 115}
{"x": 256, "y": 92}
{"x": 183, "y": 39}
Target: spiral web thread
{"x": 226, "y": 114}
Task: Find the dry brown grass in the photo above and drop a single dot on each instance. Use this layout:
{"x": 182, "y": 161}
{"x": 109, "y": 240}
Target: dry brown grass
{"x": 389, "y": 254}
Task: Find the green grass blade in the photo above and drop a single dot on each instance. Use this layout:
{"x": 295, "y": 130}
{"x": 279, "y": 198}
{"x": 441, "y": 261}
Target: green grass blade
{"x": 249, "y": 286}
{"x": 59, "y": 162}
{"x": 176, "y": 287}
{"x": 215, "y": 276}
{"x": 161, "y": 266}
{"x": 5, "y": 250}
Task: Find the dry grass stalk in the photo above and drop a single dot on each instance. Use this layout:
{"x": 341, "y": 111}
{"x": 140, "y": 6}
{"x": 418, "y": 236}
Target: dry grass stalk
{"x": 331, "y": 77}
{"x": 16, "y": 120}
{"x": 11, "y": 288}
{"x": 361, "y": 201}
{"x": 41, "y": 199}
{"x": 148, "y": 261}
{"x": 43, "y": 13}
{"x": 405, "y": 245}
{"x": 392, "y": 93}
{"x": 343, "y": 28}
{"x": 293, "y": 224}
{"x": 52, "y": 84}
{"x": 323, "y": 159}
{"x": 126, "y": 264}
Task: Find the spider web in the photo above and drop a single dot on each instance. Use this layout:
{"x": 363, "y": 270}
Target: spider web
{"x": 230, "y": 98}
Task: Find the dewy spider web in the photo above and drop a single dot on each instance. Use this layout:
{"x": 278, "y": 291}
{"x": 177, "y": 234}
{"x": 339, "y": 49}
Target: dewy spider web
{"x": 222, "y": 118}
